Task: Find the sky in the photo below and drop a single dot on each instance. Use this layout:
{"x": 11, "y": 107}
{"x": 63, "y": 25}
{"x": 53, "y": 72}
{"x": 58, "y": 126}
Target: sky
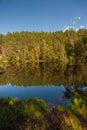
{"x": 42, "y": 15}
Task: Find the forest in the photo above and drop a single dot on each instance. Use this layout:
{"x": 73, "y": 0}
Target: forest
{"x": 55, "y": 47}
{"x": 44, "y": 58}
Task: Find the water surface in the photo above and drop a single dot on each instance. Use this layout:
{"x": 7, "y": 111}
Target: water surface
{"x": 51, "y": 83}
{"x": 53, "y": 95}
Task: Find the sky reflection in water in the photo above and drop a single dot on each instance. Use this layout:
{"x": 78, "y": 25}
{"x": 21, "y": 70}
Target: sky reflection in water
{"x": 53, "y": 95}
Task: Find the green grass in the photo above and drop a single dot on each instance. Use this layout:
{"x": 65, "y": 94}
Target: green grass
{"x": 34, "y": 114}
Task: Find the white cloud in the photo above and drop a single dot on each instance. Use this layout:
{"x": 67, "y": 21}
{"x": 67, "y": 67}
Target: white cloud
{"x": 72, "y": 27}
{"x": 78, "y": 18}
{"x": 67, "y": 28}
{"x": 82, "y": 26}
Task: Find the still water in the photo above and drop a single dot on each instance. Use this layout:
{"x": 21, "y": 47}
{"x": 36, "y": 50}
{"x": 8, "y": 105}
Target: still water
{"x": 53, "y": 95}
{"x": 49, "y": 83}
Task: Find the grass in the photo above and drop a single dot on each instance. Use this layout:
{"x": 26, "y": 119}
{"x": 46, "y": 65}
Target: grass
{"x": 34, "y": 114}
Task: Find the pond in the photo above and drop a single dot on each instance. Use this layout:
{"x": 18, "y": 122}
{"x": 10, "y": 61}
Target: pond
{"x": 51, "y": 83}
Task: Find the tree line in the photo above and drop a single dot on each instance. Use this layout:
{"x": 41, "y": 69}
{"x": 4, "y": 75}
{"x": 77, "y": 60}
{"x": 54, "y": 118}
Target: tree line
{"x": 65, "y": 47}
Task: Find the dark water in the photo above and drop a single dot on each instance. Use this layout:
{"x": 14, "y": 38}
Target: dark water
{"x": 51, "y": 83}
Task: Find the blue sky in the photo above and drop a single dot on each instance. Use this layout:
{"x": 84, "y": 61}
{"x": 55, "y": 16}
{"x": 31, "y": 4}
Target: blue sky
{"x": 42, "y": 15}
